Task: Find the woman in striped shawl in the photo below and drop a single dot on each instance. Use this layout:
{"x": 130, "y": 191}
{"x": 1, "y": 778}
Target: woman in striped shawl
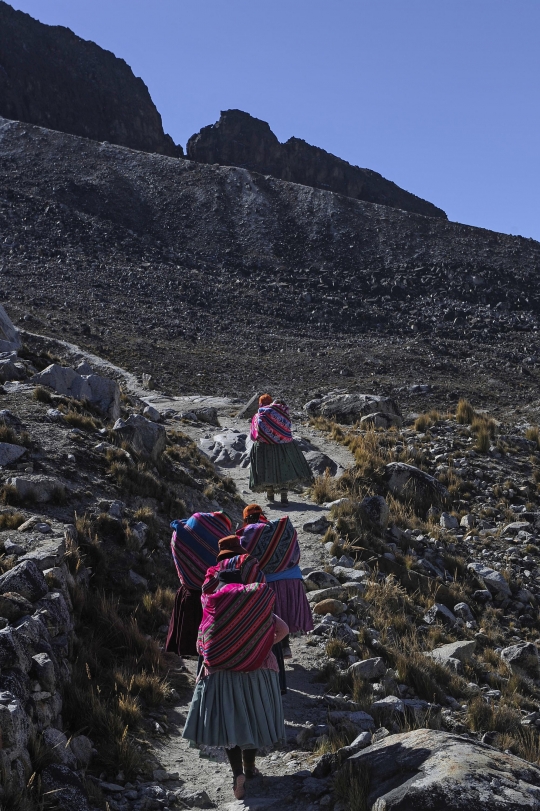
{"x": 194, "y": 548}
{"x": 276, "y": 461}
{"x": 275, "y": 545}
{"x": 237, "y": 699}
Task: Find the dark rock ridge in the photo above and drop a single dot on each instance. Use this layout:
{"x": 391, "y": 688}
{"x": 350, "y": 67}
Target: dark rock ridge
{"x": 238, "y": 139}
{"x": 53, "y": 78}
{"x": 174, "y": 267}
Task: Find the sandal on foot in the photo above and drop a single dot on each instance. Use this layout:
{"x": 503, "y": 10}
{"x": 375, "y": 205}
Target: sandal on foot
{"x": 252, "y": 773}
{"x": 287, "y": 653}
{"x": 239, "y": 786}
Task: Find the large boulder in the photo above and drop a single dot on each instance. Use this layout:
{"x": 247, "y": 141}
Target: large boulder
{"x": 428, "y": 770}
{"x": 349, "y": 408}
{"x": 408, "y": 481}
{"x": 229, "y": 448}
{"x": 146, "y": 437}
{"x": 25, "y": 579}
{"x": 36, "y": 487}
{"x": 101, "y": 392}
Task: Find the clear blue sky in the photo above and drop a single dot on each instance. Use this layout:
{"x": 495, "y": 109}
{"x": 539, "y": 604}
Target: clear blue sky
{"x": 440, "y": 96}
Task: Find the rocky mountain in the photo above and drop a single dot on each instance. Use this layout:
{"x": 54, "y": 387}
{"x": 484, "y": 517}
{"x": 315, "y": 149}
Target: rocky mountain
{"x": 239, "y": 139}
{"x": 234, "y": 276}
{"x": 53, "y": 78}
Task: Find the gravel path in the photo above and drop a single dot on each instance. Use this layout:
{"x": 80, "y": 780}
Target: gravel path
{"x": 285, "y": 771}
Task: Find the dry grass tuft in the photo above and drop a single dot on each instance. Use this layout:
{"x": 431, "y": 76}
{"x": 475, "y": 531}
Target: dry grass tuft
{"x": 465, "y": 413}
{"x": 11, "y": 520}
{"x": 82, "y": 421}
{"x": 352, "y": 784}
{"x": 41, "y": 394}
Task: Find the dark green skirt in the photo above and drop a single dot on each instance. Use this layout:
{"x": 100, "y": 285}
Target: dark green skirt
{"x": 281, "y": 465}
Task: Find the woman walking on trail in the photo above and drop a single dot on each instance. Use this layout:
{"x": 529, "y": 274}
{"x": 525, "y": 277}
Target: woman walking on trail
{"x": 194, "y": 547}
{"x": 276, "y": 460}
{"x": 275, "y": 545}
{"x": 237, "y": 699}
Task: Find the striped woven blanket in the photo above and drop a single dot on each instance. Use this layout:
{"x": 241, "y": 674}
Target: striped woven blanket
{"x": 272, "y": 424}
{"x": 237, "y": 627}
{"x": 247, "y": 567}
{"x": 194, "y": 545}
{"x": 274, "y": 544}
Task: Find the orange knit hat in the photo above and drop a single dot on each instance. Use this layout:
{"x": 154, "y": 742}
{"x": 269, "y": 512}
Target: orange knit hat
{"x": 265, "y": 400}
{"x": 252, "y": 509}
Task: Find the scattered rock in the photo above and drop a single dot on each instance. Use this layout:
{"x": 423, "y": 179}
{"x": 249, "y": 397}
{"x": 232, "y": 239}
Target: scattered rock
{"x": 376, "y": 510}
{"x": 319, "y": 526}
{"x": 319, "y": 579}
{"x": 10, "y": 453}
{"x": 152, "y": 414}
{"x": 494, "y": 581}
{"x": 368, "y": 669}
{"x": 26, "y": 580}
{"x": 439, "y": 613}
{"x": 448, "y": 521}
{"x": 146, "y": 437}
{"x": 329, "y": 606}
{"x": 462, "y": 651}
{"x": 407, "y": 481}
{"x": 523, "y": 656}
{"x": 13, "y": 606}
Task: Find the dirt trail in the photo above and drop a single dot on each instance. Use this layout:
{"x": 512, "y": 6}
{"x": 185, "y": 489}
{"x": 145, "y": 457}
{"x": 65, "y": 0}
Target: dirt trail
{"x": 285, "y": 772}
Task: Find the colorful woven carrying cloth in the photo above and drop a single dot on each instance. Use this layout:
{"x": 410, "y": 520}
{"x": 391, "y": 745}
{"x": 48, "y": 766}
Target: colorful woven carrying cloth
{"x": 237, "y": 628}
{"x": 247, "y": 566}
{"x": 194, "y": 545}
{"x": 272, "y": 424}
{"x": 274, "y": 544}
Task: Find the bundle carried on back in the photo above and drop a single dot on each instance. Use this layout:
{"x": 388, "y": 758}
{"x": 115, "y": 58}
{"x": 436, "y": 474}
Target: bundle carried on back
{"x": 273, "y": 543}
{"x": 272, "y": 424}
{"x": 237, "y": 628}
{"x": 194, "y": 545}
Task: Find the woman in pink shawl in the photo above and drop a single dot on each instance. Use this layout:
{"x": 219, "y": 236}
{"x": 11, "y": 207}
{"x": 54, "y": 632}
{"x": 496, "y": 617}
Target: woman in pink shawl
{"x": 276, "y": 461}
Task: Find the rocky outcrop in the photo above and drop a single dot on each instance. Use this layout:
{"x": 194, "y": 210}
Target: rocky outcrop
{"x": 428, "y": 769}
{"x": 348, "y": 408}
{"x": 53, "y": 78}
{"x": 101, "y": 392}
{"x": 238, "y": 139}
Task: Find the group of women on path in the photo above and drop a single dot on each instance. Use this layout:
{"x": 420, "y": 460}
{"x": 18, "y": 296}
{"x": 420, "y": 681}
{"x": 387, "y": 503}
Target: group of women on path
{"x": 240, "y": 597}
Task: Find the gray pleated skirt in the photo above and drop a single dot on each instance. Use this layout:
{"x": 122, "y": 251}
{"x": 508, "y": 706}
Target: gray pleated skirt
{"x": 281, "y": 466}
{"x": 230, "y": 708}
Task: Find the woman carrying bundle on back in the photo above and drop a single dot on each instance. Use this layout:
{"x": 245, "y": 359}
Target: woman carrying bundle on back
{"x": 194, "y": 548}
{"x": 276, "y": 461}
{"x": 275, "y": 545}
{"x": 237, "y": 699}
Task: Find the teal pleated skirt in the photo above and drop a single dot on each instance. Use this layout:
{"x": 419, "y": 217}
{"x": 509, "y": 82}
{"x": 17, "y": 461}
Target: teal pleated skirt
{"x": 279, "y": 466}
{"x": 230, "y": 709}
